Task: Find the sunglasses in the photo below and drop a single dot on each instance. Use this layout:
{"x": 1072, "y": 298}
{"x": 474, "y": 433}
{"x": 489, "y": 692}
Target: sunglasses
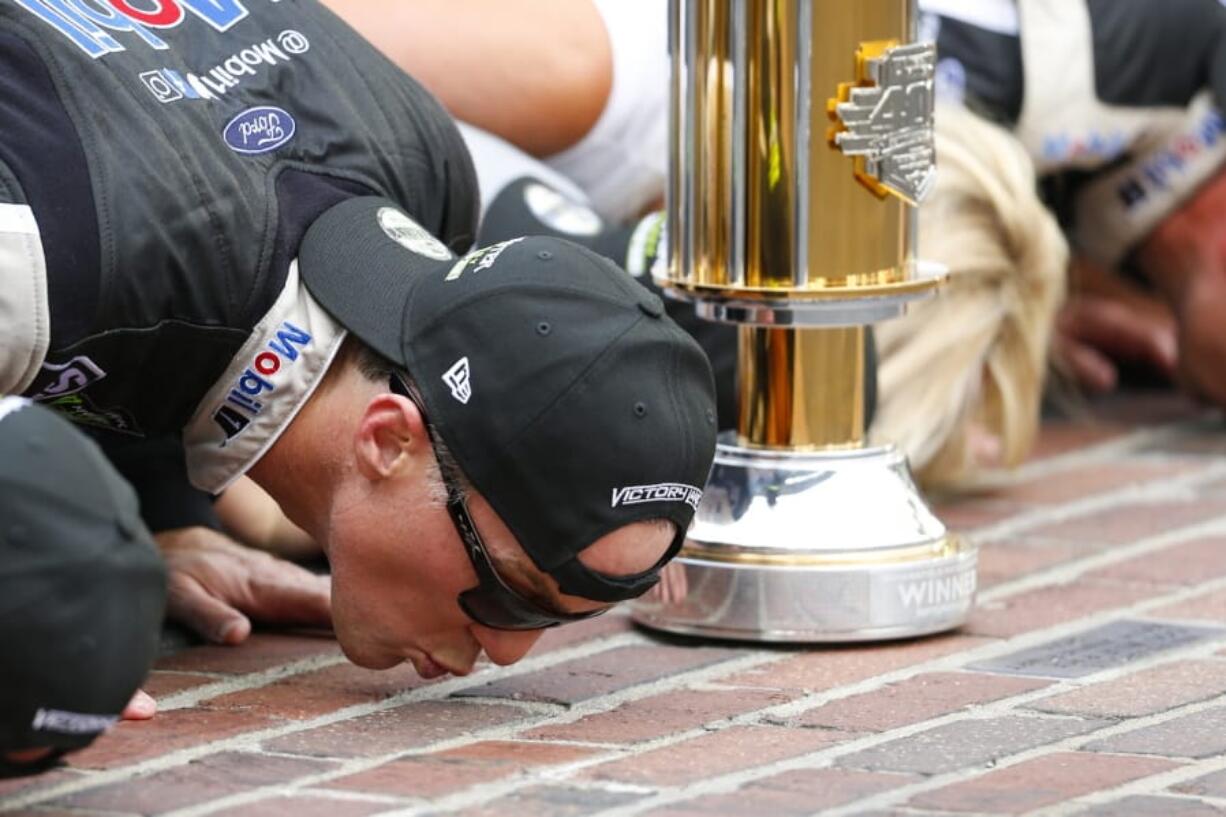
{"x": 492, "y": 603}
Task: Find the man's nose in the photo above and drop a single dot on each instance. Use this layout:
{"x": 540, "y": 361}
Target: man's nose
{"x": 505, "y": 646}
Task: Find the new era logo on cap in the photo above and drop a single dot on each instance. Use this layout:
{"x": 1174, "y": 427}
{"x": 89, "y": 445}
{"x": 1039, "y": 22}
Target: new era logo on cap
{"x": 458, "y": 380}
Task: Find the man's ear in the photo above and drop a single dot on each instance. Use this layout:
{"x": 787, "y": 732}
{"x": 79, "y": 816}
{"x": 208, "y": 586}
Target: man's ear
{"x": 390, "y": 435}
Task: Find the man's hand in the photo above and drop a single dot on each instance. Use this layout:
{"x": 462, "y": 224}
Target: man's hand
{"x": 1095, "y": 334}
{"x": 1109, "y": 321}
{"x": 217, "y": 586}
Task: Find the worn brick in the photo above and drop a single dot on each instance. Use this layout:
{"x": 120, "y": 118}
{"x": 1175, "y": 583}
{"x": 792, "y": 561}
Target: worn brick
{"x": 1209, "y": 606}
{"x": 905, "y": 813}
{"x": 1133, "y": 521}
{"x": 1203, "y": 438}
{"x": 1201, "y": 734}
{"x": 1048, "y": 606}
{"x": 551, "y": 801}
{"x": 965, "y": 514}
{"x": 1211, "y": 785}
{"x": 714, "y": 754}
{"x": 585, "y": 678}
{"x": 968, "y": 743}
{"x": 791, "y": 794}
{"x": 1040, "y": 782}
{"x": 1150, "y": 806}
{"x": 662, "y": 715}
{"x": 1087, "y": 480}
{"x": 163, "y": 684}
{"x": 260, "y": 652}
{"x": 824, "y": 668}
{"x": 40, "y": 811}
{"x": 1108, "y": 646}
{"x": 14, "y": 786}
{"x": 1182, "y": 564}
{"x": 441, "y": 773}
{"x": 1062, "y": 436}
{"x": 319, "y": 692}
{"x": 1143, "y": 693}
{"x": 132, "y": 741}
{"x": 1003, "y": 561}
{"x": 913, "y": 700}
{"x": 305, "y": 806}
{"x": 616, "y": 622}
{"x": 207, "y": 778}
{"x": 398, "y": 729}
{"x": 1140, "y": 406}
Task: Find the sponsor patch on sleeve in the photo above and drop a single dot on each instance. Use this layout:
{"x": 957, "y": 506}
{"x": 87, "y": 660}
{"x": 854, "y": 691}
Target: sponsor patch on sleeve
{"x": 266, "y": 384}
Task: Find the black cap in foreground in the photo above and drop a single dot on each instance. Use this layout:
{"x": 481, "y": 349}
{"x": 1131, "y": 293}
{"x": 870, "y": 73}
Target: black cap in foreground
{"x": 572, "y": 403}
{"x": 82, "y": 587}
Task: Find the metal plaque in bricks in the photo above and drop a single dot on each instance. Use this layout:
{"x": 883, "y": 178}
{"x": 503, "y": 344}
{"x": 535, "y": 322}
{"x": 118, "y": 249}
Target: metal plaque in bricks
{"x": 1112, "y": 645}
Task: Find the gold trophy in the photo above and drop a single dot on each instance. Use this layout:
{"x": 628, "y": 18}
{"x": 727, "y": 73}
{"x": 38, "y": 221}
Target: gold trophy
{"x": 801, "y": 143}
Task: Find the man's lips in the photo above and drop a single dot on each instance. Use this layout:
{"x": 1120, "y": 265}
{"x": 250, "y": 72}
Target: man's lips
{"x": 427, "y": 667}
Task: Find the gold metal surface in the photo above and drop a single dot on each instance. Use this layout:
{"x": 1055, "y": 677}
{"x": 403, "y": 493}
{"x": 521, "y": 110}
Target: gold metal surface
{"x": 885, "y": 286}
{"x": 855, "y": 238}
{"x": 949, "y": 546}
{"x": 767, "y": 202}
{"x": 771, "y": 164}
{"x": 801, "y": 389}
{"x": 714, "y": 115}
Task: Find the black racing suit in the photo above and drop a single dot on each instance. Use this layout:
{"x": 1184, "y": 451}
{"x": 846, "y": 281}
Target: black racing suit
{"x": 173, "y": 159}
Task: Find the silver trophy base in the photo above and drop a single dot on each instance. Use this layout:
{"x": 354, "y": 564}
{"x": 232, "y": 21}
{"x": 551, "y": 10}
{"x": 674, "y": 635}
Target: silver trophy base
{"x": 833, "y": 546}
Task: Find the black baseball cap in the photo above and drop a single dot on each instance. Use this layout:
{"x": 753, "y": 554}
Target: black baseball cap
{"x": 82, "y": 588}
{"x": 570, "y": 400}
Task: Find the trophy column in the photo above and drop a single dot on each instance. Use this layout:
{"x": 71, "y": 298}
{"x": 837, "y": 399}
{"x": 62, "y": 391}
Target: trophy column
{"x": 801, "y": 142}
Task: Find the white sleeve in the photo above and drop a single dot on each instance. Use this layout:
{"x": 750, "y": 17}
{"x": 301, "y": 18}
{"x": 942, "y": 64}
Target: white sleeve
{"x": 25, "y": 322}
{"x": 498, "y": 163}
{"x": 622, "y": 163}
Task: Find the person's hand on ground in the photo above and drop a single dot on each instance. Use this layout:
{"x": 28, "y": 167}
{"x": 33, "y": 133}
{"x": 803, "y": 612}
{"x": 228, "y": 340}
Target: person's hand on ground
{"x": 217, "y": 587}
{"x": 1096, "y": 334}
{"x": 1110, "y": 322}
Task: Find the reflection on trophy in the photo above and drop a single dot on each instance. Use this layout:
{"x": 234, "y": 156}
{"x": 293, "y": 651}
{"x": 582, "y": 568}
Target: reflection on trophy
{"x": 801, "y": 142}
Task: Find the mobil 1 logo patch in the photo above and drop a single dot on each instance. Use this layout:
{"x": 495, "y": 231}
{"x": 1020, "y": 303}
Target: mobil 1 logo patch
{"x": 259, "y": 130}
{"x": 258, "y": 382}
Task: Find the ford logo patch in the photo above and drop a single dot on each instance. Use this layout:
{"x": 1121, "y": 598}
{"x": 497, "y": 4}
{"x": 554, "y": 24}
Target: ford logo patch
{"x": 259, "y": 130}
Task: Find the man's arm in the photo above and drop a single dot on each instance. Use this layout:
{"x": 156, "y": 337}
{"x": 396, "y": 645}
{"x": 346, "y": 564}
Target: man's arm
{"x": 535, "y": 72}
{"x": 254, "y": 518}
{"x": 216, "y": 586}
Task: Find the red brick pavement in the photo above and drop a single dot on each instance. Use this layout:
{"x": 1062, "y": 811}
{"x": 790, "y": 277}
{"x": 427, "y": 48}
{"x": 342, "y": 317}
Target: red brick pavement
{"x": 1119, "y": 518}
